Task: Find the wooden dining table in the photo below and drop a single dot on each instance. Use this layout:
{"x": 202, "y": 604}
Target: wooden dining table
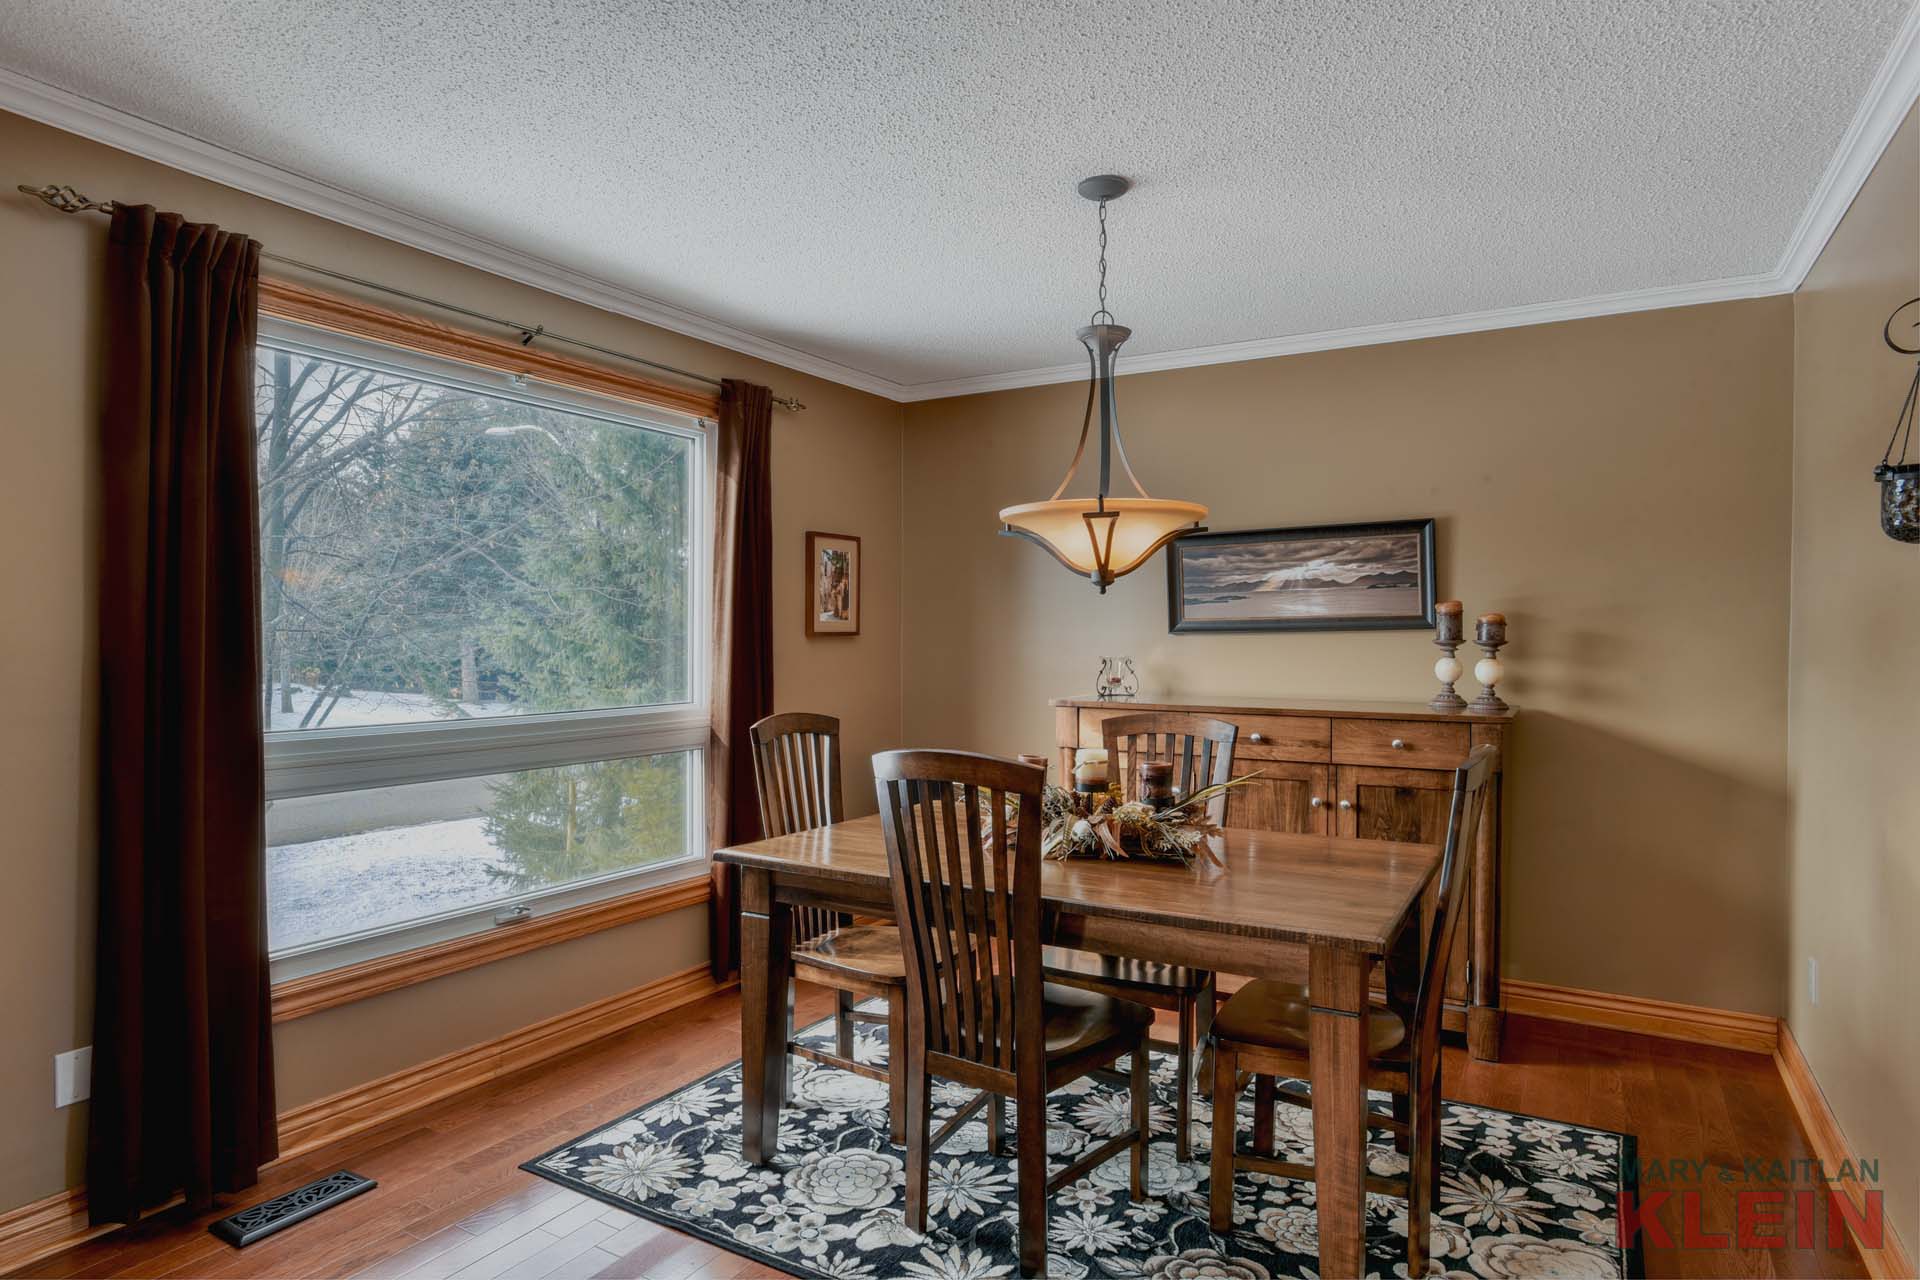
{"x": 1347, "y": 903}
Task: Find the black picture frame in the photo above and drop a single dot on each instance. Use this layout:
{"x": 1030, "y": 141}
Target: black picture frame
{"x": 1183, "y": 552}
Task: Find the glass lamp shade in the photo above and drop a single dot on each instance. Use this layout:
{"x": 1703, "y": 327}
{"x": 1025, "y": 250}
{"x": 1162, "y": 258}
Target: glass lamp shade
{"x": 1103, "y": 539}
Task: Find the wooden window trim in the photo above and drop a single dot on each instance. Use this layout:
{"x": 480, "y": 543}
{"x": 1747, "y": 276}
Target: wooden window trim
{"x": 317, "y": 309}
{"x": 298, "y": 997}
{"x": 354, "y": 318}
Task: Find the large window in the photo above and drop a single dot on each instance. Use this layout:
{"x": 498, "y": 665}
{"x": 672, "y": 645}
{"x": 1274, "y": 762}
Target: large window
{"x": 479, "y": 603}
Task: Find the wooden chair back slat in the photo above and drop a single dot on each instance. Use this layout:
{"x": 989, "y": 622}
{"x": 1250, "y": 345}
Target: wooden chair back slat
{"x": 966, "y": 891}
{"x": 1200, "y": 749}
{"x": 963, "y": 943}
{"x": 1465, "y": 812}
{"x": 796, "y": 774}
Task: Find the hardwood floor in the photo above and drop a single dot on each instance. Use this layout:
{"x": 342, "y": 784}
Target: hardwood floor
{"x": 451, "y": 1202}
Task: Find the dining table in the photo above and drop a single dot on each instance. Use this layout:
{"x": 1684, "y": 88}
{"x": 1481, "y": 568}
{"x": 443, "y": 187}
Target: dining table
{"x": 1260, "y": 904}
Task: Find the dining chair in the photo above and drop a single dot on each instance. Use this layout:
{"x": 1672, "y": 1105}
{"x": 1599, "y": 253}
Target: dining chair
{"x": 1201, "y": 752}
{"x": 796, "y": 770}
{"x": 963, "y": 855}
{"x": 1263, "y": 1029}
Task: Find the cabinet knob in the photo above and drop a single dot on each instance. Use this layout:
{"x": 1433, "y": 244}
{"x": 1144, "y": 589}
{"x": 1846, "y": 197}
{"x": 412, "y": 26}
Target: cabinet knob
{"x": 1315, "y": 802}
{"x": 1399, "y": 744}
{"x": 1345, "y": 805}
{"x": 1256, "y": 737}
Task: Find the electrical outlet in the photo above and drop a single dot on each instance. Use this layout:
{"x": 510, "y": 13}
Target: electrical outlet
{"x": 73, "y": 1076}
{"x": 1813, "y": 979}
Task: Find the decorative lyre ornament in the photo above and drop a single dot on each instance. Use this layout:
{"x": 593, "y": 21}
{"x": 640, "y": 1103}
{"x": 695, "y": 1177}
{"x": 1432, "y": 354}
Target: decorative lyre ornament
{"x": 1102, "y": 537}
{"x": 1116, "y": 679}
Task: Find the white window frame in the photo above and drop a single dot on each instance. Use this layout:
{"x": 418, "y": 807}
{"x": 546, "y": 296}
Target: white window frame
{"x": 308, "y": 762}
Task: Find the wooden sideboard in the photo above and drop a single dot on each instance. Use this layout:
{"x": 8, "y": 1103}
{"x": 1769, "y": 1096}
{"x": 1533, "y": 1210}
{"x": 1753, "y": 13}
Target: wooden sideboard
{"x": 1371, "y": 770}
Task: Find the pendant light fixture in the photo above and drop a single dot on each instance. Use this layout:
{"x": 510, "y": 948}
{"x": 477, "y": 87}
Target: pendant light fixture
{"x": 1102, "y": 537}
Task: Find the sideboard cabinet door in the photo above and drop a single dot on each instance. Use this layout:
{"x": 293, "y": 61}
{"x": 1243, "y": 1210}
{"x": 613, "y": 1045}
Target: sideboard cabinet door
{"x": 1408, "y": 805}
{"x": 1286, "y": 796}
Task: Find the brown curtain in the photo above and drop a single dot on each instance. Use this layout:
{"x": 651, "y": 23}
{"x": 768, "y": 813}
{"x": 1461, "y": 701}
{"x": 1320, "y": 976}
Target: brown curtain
{"x": 742, "y": 640}
{"x": 183, "y": 1063}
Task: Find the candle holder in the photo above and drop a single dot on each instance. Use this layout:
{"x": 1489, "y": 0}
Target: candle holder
{"x": 1899, "y": 479}
{"x": 1156, "y": 784}
{"x": 1491, "y": 636}
{"x": 1090, "y": 770}
{"x": 1447, "y": 669}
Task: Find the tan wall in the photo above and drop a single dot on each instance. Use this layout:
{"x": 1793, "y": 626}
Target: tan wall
{"x": 835, "y": 467}
{"x": 1854, "y": 689}
{"x": 1618, "y": 487}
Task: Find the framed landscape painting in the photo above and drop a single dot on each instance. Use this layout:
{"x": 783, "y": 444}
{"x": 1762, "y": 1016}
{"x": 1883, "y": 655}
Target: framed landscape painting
{"x": 1334, "y": 577}
{"x": 833, "y": 584}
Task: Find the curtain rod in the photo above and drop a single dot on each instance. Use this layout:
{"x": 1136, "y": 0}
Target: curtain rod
{"x": 67, "y": 200}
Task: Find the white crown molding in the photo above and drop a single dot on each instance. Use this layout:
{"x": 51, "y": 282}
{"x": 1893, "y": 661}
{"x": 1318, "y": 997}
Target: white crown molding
{"x": 54, "y": 106}
{"x": 1889, "y": 97}
{"x": 1366, "y": 335}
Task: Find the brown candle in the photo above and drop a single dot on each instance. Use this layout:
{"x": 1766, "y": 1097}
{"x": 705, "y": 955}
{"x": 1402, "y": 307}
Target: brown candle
{"x": 1156, "y": 783}
{"x": 1447, "y": 617}
{"x": 1492, "y": 629}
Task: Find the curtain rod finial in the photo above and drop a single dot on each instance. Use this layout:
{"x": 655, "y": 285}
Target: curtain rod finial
{"x": 66, "y": 199}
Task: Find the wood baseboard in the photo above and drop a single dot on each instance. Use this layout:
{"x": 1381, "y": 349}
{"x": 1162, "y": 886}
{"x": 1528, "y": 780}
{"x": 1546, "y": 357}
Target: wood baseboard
{"x": 305, "y": 1127}
{"x": 1891, "y": 1261}
{"x": 1727, "y": 1028}
{"x": 35, "y": 1230}
{"x": 58, "y": 1222}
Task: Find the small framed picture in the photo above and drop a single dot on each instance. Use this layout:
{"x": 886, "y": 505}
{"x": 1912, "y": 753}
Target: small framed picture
{"x": 833, "y": 584}
{"x": 1333, "y": 577}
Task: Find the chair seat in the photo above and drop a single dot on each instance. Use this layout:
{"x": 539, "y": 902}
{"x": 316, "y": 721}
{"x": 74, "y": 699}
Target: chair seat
{"x": 1076, "y": 1019}
{"x": 1276, "y": 1015}
{"x": 1064, "y": 964}
{"x": 869, "y": 951}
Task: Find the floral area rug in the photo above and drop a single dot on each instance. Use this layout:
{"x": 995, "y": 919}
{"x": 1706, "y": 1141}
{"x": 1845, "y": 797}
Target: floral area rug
{"x": 1520, "y": 1196}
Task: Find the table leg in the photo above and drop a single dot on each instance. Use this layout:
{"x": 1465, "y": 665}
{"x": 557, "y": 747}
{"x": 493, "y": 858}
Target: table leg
{"x": 1338, "y": 1050}
{"x": 766, "y": 970}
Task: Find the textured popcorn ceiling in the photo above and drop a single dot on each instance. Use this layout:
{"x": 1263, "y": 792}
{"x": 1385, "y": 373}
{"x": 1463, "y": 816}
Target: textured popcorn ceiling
{"x": 889, "y": 185}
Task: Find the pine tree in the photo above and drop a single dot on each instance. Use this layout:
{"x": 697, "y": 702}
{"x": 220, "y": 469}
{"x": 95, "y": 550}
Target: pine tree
{"x": 598, "y": 618}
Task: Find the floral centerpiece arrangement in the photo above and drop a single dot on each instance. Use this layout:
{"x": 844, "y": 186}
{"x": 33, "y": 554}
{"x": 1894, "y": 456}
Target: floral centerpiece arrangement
{"x": 1099, "y": 824}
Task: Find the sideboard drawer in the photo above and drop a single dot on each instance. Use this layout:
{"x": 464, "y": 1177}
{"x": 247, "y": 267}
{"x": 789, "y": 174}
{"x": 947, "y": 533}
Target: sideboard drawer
{"x": 1305, "y": 738}
{"x": 1411, "y": 744}
{"x": 1281, "y": 737}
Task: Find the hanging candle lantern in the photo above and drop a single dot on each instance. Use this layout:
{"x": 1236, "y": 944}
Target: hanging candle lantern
{"x": 1900, "y": 481}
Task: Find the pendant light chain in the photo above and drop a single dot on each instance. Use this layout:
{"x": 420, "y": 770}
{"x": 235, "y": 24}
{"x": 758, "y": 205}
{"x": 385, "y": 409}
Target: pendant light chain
{"x": 1103, "y": 266}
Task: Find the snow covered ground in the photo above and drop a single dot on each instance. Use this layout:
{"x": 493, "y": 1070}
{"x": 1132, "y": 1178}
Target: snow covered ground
{"x": 370, "y": 707}
{"x": 343, "y": 884}
{"x": 343, "y": 863}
